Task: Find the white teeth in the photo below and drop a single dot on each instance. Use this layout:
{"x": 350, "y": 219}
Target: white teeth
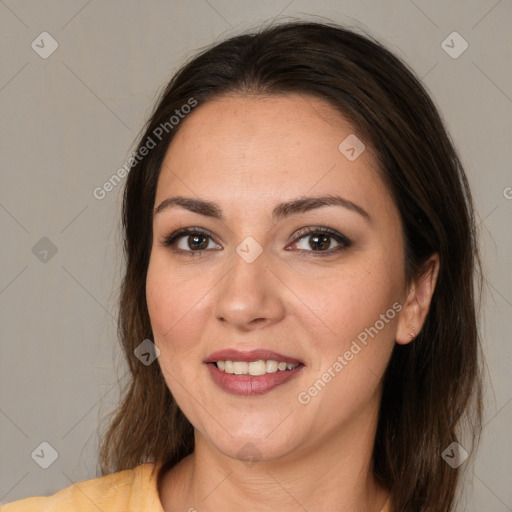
{"x": 240, "y": 367}
{"x": 254, "y": 368}
{"x": 271, "y": 366}
{"x": 257, "y": 367}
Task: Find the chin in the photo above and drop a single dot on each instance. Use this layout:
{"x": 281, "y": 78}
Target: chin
{"x": 252, "y": 449}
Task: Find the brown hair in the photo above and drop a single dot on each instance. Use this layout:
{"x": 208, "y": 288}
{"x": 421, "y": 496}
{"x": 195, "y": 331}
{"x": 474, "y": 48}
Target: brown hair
{"x": 432, "y": 383}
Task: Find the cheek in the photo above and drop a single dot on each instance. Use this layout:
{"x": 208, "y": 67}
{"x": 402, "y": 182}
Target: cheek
{"x": 345, "y": 301}
{"x": 359, "y": 303}
{"x": 351, "y": 351}
{"x": 175, "y": 304}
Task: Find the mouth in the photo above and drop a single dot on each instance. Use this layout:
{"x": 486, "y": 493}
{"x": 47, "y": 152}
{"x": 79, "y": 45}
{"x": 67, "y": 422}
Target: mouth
{"x": 251, "y": 373}
{"x": 255, "y": 368}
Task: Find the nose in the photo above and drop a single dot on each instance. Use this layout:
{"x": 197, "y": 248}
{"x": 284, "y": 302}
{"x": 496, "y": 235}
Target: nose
{"x": 249, "y": 297}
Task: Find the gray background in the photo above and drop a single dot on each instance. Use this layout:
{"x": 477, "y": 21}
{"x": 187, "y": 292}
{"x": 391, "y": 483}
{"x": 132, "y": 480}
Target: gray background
{"x": 69, "y": 122}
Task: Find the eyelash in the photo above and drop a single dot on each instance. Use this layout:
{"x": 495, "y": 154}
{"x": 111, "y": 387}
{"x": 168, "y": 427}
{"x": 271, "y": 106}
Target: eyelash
{"x": 343, "y": 241}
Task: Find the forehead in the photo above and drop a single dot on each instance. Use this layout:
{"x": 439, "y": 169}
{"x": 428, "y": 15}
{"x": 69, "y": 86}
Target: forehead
{"x": 258, "y": 148}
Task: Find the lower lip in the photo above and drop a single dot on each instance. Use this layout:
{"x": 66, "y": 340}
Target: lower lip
{"x": 247, "y": 385}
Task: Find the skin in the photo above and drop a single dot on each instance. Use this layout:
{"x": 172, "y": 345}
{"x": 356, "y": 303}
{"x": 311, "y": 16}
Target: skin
{"x": 248, "y": 154}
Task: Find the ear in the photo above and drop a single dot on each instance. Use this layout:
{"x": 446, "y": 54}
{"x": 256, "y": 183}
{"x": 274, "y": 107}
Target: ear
{"x": 417, "y": 303}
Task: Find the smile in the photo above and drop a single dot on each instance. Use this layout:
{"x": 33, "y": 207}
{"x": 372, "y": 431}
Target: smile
{"x": 252, "y": 372}
{"x": 255, "y": 368}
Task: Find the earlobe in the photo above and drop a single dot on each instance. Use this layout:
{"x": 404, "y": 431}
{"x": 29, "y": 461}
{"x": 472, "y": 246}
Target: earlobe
{"x": 418, "y": 302}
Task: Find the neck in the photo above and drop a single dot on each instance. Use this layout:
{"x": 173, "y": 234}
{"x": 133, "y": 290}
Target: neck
{"x": 335, "y": 475}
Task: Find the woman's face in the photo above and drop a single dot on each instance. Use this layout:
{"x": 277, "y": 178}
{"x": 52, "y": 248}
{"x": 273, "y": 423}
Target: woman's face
{"x": 273, "y": 272}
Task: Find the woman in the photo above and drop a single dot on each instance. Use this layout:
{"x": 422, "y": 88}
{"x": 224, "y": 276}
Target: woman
{"x": 301, "y": 250}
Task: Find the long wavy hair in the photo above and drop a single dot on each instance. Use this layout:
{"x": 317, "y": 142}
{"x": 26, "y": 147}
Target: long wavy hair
{"x": 432, "y": 385}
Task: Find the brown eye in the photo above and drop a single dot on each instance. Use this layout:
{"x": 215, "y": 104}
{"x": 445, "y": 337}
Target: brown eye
{"x": 190, "y": 240}
{"x": 197, "y": 241}
{"x": 321, "y": 240}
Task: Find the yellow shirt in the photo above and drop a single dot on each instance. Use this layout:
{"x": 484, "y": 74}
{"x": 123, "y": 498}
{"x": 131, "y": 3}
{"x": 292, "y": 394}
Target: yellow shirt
{"x": 131, "y": 490}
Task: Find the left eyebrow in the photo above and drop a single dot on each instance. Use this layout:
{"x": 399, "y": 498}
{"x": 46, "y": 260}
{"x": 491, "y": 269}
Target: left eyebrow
{"x": 304, "y": 204}
{"x": 280, "y": 211}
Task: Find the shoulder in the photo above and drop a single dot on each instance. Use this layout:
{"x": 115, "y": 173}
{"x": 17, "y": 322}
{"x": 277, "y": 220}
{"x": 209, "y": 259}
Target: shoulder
{"x": 387, "y": 506}
{"x": 129, "y": 490}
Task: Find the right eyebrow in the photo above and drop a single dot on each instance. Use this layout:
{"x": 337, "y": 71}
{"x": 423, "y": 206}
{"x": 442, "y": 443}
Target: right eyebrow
{"x": 201, "y": 206}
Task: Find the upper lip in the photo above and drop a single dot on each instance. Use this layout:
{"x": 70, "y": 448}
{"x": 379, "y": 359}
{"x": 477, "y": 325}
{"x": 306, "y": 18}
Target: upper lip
{"x": 230, "y": 354}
